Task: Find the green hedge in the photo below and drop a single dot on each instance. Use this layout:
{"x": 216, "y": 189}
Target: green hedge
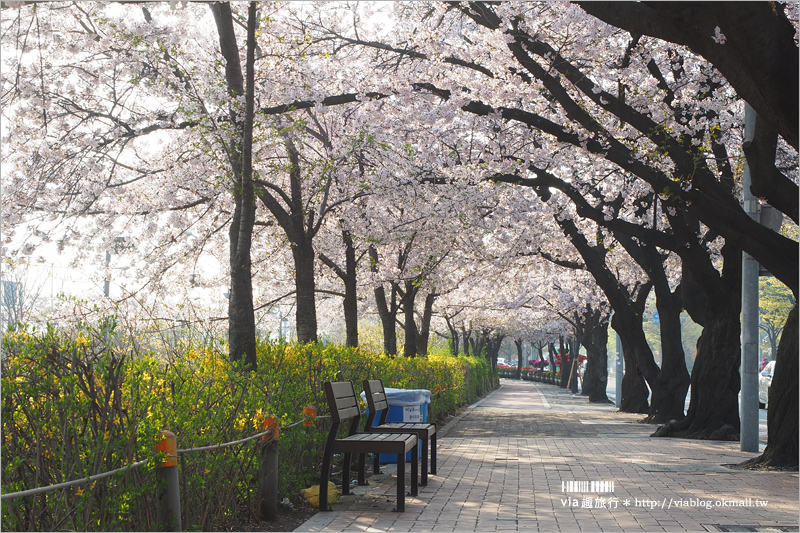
{"x": 86, "y": 403}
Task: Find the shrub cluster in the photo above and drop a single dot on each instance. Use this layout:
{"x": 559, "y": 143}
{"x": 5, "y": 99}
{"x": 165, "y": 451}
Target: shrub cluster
{"x": 79, "y": 404}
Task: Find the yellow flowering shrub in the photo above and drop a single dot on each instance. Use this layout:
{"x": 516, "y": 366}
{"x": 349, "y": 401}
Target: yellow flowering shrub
{"x": 82, "y": 403}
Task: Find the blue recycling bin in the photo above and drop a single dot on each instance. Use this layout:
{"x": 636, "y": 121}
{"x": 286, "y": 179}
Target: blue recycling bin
{"x": 405, "y": 405}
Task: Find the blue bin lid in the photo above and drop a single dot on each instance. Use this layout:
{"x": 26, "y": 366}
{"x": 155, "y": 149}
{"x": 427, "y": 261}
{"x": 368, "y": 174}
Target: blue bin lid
{"x": 405, "y": 397}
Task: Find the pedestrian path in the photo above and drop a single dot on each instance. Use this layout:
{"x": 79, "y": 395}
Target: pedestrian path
{"x": 533, "y": 457}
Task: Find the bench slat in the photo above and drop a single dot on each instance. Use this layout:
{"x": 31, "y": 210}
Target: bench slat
{"x": 376, "y": 442}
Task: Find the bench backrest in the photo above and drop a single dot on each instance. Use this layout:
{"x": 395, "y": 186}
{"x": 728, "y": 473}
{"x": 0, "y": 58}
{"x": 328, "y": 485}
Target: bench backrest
{"x": 376, "y": 394}
{"x": 342, "y": 400}
{"x": 376, "y": 400}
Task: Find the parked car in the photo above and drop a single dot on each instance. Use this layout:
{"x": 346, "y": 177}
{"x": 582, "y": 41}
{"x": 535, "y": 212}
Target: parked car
{"x": 764, "y": 382}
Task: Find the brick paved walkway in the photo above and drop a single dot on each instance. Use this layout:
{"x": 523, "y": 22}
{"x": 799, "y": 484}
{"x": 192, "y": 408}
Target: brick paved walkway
{"x": 506, "y": 464}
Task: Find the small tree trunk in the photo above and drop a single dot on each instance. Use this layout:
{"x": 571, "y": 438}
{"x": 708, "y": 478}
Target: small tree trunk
{"x": 425, "y": 325}
{"x": 387, "y": 311}
{"x": 350, "y": 291}
{"x": 410, "y": 346}
{"x": 518, "y": 343}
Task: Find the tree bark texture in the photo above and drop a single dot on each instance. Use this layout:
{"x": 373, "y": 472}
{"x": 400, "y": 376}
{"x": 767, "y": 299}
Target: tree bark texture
{"x": 410, "y": 326}
{"x": 672, "y": 381}
{"x": 714, "y": 300}
{"x": 782, "y": 414}
{"x": 387, "y": 310}
{"x": 594, "y": 336}
{"x": 305, "y": 284}
{"x": 349, "y": 277}
{"x": 241, "y": 314}
{"x": 425, "y": 324}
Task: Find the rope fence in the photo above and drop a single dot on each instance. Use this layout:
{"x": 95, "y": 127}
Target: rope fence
{"x": 169, "y": 513}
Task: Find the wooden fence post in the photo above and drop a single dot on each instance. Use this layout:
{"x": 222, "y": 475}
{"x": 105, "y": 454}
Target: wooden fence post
{"x": 310, "y": 416}
{"x": 169, "y": 501}
{"x": 268, "y": 472}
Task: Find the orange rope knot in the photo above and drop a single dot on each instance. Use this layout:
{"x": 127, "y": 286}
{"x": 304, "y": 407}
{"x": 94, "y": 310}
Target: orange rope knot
{"x": 310, "y": 415}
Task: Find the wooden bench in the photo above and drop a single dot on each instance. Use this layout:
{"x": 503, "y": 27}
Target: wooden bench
{"x": 426, "y": 432}
{"x": 343, "y": 405}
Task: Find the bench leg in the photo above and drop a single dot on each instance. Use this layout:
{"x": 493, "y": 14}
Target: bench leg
{"x": 376, "y": 463}
{"x": 346, "y": 474}
{"x": 433, "y": 454}
{"x": 326, "y": 470}
{"x": 415, "y": 470}
{"x": 401, "y": 483}
{"x": 362, "y": 463}
{"x": 424, "y": 480}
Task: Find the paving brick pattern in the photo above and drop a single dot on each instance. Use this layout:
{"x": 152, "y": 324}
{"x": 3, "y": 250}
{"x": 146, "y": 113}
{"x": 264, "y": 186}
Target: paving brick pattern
{"x": 506, "y": 464}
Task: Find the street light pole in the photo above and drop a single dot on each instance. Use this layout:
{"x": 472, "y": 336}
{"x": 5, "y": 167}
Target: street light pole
{"x": 748, "y": 409}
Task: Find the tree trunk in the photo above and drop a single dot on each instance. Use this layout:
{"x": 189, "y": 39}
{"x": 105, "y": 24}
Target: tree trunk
{"x": 454, "y": 340}
{"x": 306, "y": 315}
{"x": 634, "y": 387}
{"x": 672, "y": 383}
{"x": 518, "y": 343}
{"x": 595, "y": 379}
{"x": 714, "y": 301}
{"x": 410, "y": 294}
{"x": 782, "y": 415}
{"x": 425, "y": 325}
{"x": 551, "y": 351}
{"x": 350, "y": 291}
{"x": 349, "y": 277}
{"x": 387, "y": 311}
{"x": 241, "y": 315}
{"x": 714, "y": 405}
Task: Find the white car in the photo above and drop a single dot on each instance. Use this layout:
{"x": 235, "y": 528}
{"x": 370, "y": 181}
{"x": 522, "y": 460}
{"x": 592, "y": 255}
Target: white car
{"x": 764, "y": 382}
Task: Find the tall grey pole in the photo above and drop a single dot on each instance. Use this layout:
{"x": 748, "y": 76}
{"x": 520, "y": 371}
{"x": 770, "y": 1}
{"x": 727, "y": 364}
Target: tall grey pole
{"x": 620, "y": 370}
{"x": 748, "y": 409}
{"x": 107, "y": 282}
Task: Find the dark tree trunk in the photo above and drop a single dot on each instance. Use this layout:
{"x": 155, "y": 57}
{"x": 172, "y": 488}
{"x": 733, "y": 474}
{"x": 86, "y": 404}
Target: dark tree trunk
{"x": 566, "y": 362}
{"x": 551, "y": 356}
{"x": 466, "y": 337}
{"x": 595, "y": 338}
{"x": 782, "y": 414}
{"x": 349, "y": 278}
{"x": 306, "y": 315}
{"x": 672, "y": 384}
{"x": 425, "y": 324}
{"x": 634, "y": 387}
{"x": 714, "y": 405}
{"x": 454, "y": 339}
{"x": 410, "y": 327}
{"x": 387, "y": 311}
{"x": 672, "y": 380}
{"x": 241, "y": 315}
{"x": 350, "y": 290}
{"x": 627, "y": 322}
{"x": 387, "y": 315}
{"x": 518, "y": 343}
{"x": 574, "y": 350}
